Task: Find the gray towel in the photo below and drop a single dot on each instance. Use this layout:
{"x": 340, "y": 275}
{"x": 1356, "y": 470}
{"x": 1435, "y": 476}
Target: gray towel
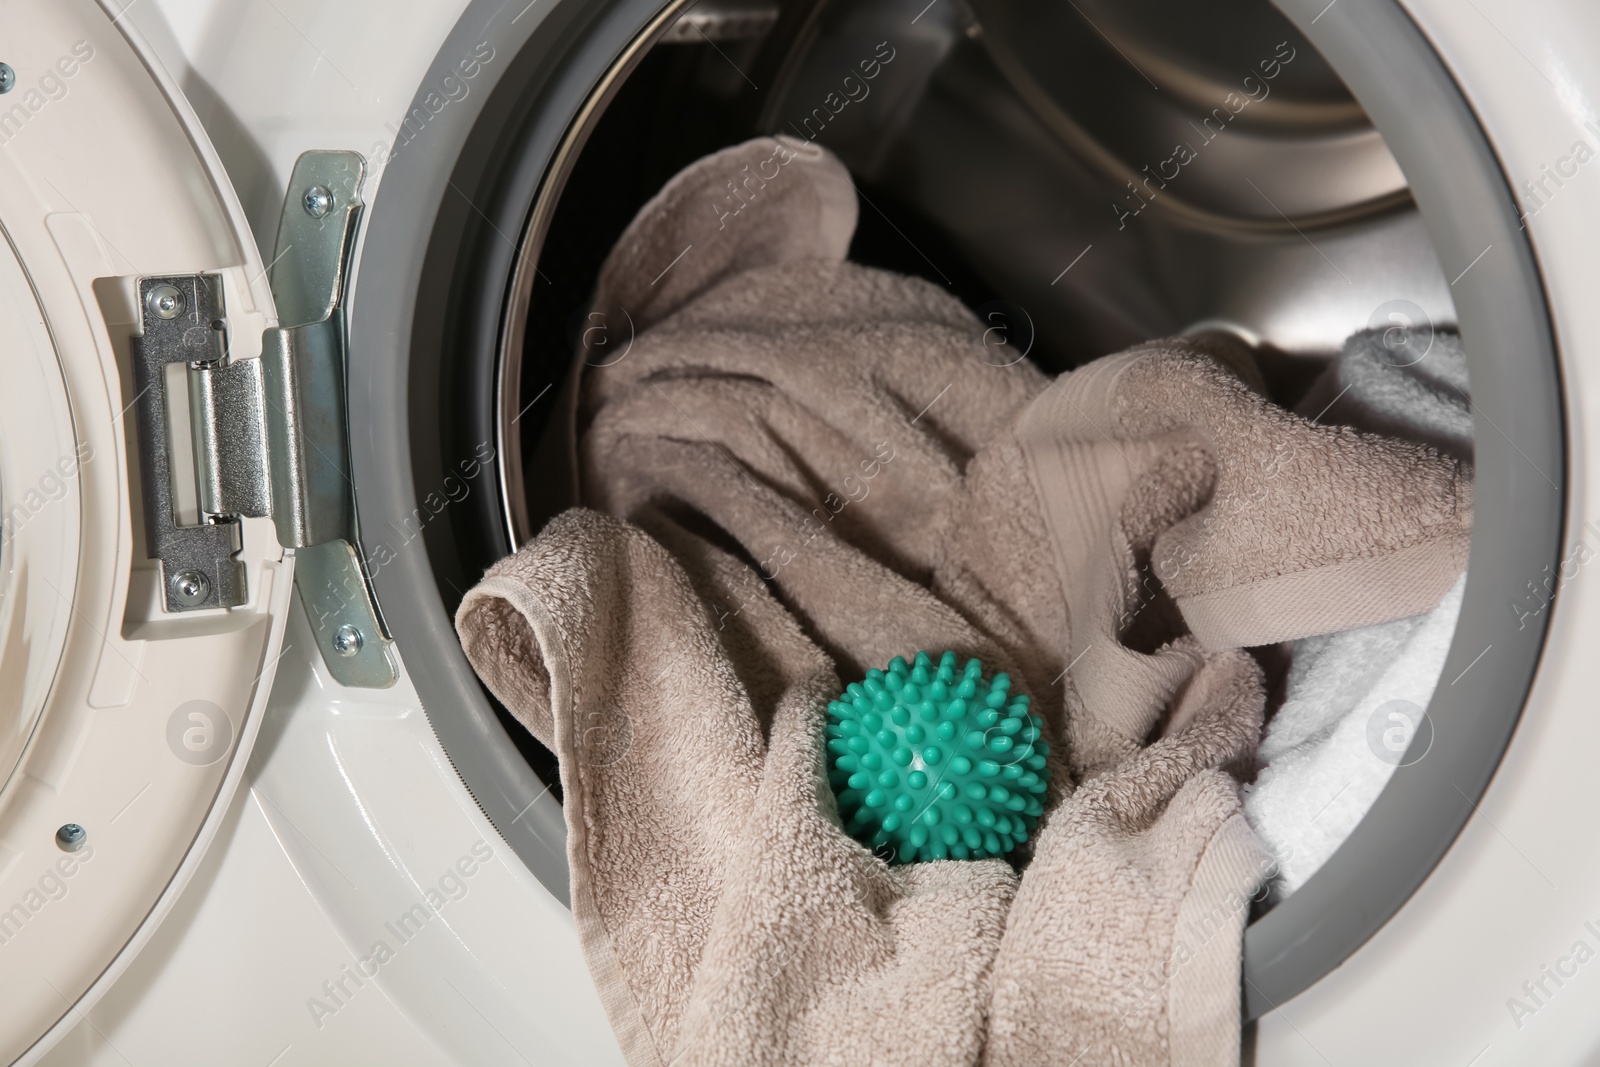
{"x": 1407, "y": 383}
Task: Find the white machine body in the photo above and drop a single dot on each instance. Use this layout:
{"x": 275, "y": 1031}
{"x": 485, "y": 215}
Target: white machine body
{"x": 332, "y": 894}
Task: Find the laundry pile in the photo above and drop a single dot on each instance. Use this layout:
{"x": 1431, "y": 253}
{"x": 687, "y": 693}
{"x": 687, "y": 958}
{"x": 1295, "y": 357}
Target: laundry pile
{"x": 802, "y": 468}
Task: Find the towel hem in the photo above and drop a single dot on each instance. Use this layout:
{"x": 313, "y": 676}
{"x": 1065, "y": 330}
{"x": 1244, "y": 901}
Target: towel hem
{"x": 1341, "y": 596}
{"x": 627, "y": 1022}
{"x": 1203, "y": 997}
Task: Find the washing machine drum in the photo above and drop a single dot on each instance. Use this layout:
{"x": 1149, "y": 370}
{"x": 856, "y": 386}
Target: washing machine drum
{"x": 993, "y": 143}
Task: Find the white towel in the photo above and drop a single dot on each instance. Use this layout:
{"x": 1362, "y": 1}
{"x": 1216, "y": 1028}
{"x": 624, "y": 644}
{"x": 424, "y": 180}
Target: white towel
{"x": 1330, "y": 749}
{"x": 1325, "y": 761}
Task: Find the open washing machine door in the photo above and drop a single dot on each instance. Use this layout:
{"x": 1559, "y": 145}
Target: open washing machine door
{"x": 143, "y": 589}
{"x": 178, "y": 581}
{"x": 225, "y": 822}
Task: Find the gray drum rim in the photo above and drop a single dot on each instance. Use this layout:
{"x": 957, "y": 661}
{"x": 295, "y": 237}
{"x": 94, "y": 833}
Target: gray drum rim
{"x": 1520, "y": 441}
{"x": 1466, "y": 205}
{"x": 554, "y": 55}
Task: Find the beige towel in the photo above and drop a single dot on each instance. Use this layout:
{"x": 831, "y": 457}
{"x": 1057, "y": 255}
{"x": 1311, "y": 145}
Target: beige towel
{"x": 807, "y": 467}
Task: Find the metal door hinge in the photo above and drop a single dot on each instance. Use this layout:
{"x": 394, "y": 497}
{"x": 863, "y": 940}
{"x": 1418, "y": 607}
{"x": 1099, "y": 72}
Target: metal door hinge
{"x": 269, "y": 435}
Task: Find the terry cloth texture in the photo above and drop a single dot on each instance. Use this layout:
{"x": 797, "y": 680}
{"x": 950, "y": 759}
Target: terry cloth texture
{"x": 802, "y": 468}
{"x": 1330, "y": 749}
{"x": 1404, "y": 382}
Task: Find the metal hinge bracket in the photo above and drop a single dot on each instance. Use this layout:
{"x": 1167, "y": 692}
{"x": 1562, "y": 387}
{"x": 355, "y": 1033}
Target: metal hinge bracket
{"x": 270, "y": 435}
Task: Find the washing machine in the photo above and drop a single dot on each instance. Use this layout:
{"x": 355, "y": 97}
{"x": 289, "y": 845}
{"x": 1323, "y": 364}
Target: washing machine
{"x": 290, "y": 293}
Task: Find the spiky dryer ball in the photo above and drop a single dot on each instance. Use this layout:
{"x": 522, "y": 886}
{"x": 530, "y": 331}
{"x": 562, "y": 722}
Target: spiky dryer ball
{"x": 936, "y": 766}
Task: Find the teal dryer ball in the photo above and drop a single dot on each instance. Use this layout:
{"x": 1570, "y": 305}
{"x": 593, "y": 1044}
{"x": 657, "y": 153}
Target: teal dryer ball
{"x": 929, "y": 764}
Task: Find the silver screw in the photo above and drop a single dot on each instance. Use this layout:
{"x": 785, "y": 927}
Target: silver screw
{"x": 190, "y": 588}
{"x": 8, "y": 78}
{"x": 347, "y": 640}
{"x": 71, "y": 837}
{"x": 165, "y": 301}
{"x": 318, "y": 201}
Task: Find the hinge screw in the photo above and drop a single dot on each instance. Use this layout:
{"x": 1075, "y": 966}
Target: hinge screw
{"x": 165, "y": 301}
{"x": 347, "y": 640}
{"x": 8, "y": 78}
{"x": 70, "y": 837}
{"x": 190, "y": 588}
{"x": 318, "y": 201}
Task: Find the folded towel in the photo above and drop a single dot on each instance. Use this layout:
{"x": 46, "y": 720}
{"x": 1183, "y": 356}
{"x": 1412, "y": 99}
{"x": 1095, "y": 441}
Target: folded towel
{"x": 807, "y": 467}
{"x": 1321, "y": 772}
